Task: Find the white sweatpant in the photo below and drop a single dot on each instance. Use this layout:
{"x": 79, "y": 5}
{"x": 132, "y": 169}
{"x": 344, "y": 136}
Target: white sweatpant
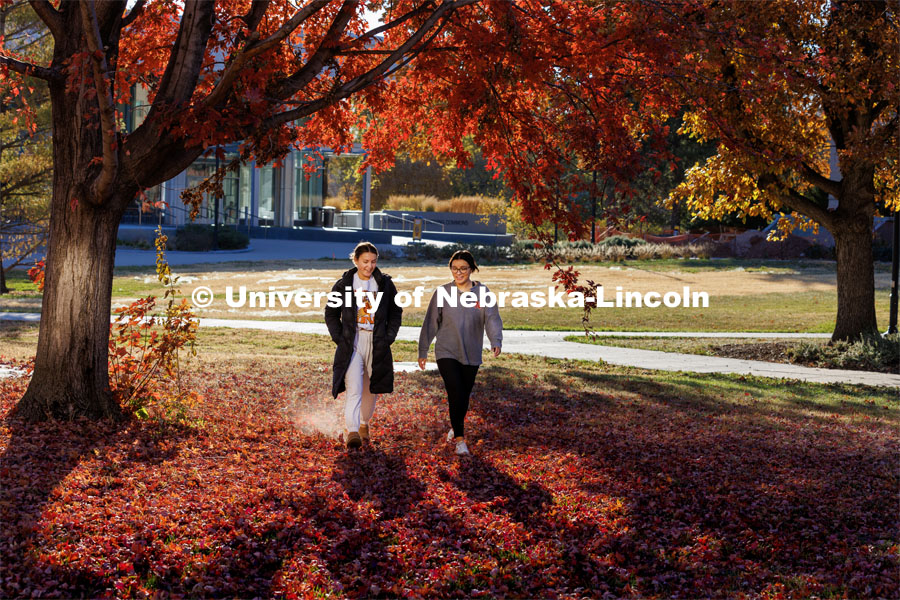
{"x": 360, "y": 404}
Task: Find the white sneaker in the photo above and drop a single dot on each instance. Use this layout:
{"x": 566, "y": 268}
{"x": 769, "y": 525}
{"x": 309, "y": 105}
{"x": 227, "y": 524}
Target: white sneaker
{"x": 450, "y": 435}
{"x": 462, "y": 449}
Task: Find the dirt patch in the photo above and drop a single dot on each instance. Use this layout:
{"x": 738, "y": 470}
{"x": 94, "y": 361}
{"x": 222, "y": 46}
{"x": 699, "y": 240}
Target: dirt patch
{"x": 769, "y": 352}
{"x": 781, "y": 352}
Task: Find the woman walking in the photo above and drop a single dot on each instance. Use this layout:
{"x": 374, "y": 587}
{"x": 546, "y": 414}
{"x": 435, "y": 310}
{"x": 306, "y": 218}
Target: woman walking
{"x": 459, "y": 330}
{"x": 363, "y": 330}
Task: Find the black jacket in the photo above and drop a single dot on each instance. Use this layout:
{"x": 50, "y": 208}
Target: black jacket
{"x": 341, "y": 324}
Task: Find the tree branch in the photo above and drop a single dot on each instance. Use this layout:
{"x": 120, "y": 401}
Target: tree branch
{"x": 136, "y": 11}
{"x": 32, "y": 70}
{"x": 108, "y": 129}
{"x": 41, "y": 240}
{"x": 50, "y": 16}
{"x": 12, "y": 187}
{"x": 237, "y": 61}
{"x": 799, "y": 203}
{"x": 181, "y": 74}
{"x": 829, "y": 186}
{"x": 326, "y": 50}
{"x": 365, "y": 79}
{"x": 257, "y": 11}
{"x": 370, "y": 76}
{"x": 364, "y": 38}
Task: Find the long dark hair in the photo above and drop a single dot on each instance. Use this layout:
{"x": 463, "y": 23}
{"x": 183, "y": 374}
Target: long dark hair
{"x": 466, "y": 256}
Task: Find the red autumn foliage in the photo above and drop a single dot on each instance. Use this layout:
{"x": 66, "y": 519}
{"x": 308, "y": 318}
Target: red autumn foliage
{"x": 637, "y": 489}
{"x": 36, "y": 274}
{"x": 145, "y": 349}
{"x": 548, "y": 89}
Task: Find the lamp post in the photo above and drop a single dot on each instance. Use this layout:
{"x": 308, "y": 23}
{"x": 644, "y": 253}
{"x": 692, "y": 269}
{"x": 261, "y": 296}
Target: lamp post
{"x": 895, "y": 262}
{"x": 216, "y": 209}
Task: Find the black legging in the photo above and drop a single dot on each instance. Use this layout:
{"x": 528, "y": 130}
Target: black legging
{"x": 458, "y": 379}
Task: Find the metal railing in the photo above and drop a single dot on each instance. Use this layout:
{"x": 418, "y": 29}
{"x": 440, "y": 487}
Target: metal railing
{"x": 167, "y": 216}
{"x": 351, "y": 219}
{"x": 383, "y": 216}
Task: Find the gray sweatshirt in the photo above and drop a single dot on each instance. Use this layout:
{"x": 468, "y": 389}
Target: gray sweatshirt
{"x": 459, "y": 330}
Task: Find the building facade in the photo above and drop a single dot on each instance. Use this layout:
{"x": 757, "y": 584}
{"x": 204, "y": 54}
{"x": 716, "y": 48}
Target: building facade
{"x": 285, "y": 196}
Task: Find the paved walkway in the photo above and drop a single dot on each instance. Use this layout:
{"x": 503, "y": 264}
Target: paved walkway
{"x": 259, "y": 249}
{"x": 551, "y": 344}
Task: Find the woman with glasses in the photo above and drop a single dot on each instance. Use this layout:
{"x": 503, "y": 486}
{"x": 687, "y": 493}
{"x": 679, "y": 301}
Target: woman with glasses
{"x": 363, "y": 332}
{"x": 459, "y": 328}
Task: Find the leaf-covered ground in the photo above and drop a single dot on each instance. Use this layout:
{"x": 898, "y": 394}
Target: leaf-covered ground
{"x": 585, "y": 482}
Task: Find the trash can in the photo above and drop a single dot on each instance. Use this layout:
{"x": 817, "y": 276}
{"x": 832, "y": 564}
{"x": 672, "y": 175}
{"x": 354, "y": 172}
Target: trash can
{"x": 317, "y": 216}
{"x": 327, "y": 216}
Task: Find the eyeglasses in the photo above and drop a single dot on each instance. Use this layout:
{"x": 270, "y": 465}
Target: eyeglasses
{"x": 460, "y": 269}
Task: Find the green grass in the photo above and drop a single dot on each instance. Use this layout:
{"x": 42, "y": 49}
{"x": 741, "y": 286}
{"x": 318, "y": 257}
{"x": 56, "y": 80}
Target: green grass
{"x": 682, "y": 389}
{"x": 809, "y": 312}
{"x": 217, "y": 346}
{"x": 17, "y": 280}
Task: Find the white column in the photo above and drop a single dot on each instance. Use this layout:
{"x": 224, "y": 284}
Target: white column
{"x": 367, "y": 198}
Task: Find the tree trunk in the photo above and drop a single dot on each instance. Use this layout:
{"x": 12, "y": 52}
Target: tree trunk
{"x": 855, "y": 280}
{"x": 3, "y": 288}
{"x": 71, "y": 376}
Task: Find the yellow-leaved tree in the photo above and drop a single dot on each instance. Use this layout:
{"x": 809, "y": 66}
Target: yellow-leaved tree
{"x": 784, "y": 88}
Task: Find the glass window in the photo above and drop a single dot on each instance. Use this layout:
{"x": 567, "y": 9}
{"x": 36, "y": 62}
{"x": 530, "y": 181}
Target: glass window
{"x": 308, "y": 181}
{"x": 246, "y": 193}
{"x": 268, "y": 196}
{"x": 231, "y": 205}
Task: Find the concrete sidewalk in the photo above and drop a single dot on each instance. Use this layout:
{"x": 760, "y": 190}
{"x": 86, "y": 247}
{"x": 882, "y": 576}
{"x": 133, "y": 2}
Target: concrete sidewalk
{"x": 551, "y": 344}
{"x": 259, "y": 250}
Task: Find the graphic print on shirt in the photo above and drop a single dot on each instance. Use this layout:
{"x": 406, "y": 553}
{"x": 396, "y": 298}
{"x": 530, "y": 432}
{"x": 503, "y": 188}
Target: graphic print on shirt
{"x": 364, "y": 314}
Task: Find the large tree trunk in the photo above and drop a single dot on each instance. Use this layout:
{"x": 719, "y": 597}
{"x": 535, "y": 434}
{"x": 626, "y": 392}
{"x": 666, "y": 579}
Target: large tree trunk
{"x": 855, "y": 280}
{"x": 71, "y": 375}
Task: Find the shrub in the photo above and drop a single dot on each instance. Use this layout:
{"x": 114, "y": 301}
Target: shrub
{"x": 145, "y": 350}
{"x": 818, "y": 251}
{"x": 430, "y": 204}
{"x": 882, "y": 252}
{"x": 232, "y": 239}
{"x": 139, "y": 244}
{"x": 416, "y": 203}
{"x": 621, "y": 240}
{"x": 337, "y": 202}
{"x": 481, "y": 252}
{"x": 195, "y": 237}
{"x": 478, "y": 205}
{"x": 650, "y": 251}
{"x": 872, "y": 354}
{"x": 579, "y": 251}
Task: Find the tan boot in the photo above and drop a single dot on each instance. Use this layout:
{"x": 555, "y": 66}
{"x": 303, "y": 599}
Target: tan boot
{"x": 353, "y": 440}
{"x": 364, "y": 432}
